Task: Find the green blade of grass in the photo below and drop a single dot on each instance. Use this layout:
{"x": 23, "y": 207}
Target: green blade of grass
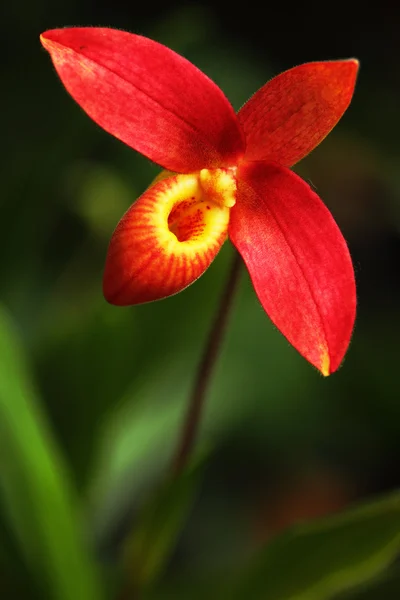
{"x": 35, "y": 488}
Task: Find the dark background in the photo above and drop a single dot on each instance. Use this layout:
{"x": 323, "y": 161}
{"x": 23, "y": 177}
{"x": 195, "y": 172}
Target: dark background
{"x": 287, "y": 444}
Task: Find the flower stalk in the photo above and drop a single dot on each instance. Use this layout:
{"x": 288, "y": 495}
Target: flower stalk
{"x": 205, "y": 369}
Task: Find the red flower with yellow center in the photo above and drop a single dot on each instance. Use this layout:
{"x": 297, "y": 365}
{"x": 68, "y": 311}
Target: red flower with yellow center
{"x": 226, "y": 174}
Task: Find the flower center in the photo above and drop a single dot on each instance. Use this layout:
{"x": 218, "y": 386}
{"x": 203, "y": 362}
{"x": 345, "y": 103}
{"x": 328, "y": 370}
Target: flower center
{"x": 188, "y": 219}
{"x": 212, "y": 192}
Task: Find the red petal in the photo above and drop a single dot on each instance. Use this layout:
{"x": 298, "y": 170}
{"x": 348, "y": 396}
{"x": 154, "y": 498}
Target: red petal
{"x": 290, "y": 115}
{"x": 148, "y": 96}
{"x": 298, "y": 261}
{"x": 165, "y": 241}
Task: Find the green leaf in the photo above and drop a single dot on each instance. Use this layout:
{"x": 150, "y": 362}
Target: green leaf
{"x": 158, "y": 526}
{"x": 135, "y": 456}
{"x": 319, "y": 560}
{"x": 37, "y": 495}
{"x": 383, "y": 588}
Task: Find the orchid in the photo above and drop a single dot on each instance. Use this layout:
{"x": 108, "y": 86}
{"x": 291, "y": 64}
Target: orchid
{"x": 225, "y": 175}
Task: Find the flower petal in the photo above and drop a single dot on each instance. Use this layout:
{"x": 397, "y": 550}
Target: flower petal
{"x": 298, "y": 261}
{"x": 164, "y": 242}
{"x": 148, "y": 96}
{"x": 290, "y": 115}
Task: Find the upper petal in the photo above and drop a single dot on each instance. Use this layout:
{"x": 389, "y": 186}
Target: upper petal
{"x": 164, "y": 242}
{"x": 298, "y": 261}
{"x": 148, "y": 96}
{"x": 292, "y": 113}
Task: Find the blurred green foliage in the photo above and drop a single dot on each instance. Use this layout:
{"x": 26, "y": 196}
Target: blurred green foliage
{"x": 319, "y": 560}
{"x": 35, "y": 486}
{"x": 87, "y": 438}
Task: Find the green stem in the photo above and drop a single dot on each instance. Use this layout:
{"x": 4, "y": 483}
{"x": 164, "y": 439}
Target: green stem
{"x": 205, "y": 370}
{"x": 199, "y": 390}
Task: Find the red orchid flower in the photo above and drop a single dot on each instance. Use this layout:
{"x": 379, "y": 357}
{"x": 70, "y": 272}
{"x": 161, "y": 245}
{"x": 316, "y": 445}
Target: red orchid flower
{"x": 226, "y": 174}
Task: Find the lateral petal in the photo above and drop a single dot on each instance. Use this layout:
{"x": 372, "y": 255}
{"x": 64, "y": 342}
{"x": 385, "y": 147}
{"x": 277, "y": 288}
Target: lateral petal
{"x": 164, "y": 242}
{"x": 290, "y": 115}
{"x": 148, "y": 96}
{"x": 298, "y": 261}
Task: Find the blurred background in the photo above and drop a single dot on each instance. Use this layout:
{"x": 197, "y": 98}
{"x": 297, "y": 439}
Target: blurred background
{"x": 108, "y": 385}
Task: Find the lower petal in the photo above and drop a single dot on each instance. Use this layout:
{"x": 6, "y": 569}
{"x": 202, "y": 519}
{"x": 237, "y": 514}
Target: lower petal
{"x": 164, "y": 242}
{"x": 298, "y": 261}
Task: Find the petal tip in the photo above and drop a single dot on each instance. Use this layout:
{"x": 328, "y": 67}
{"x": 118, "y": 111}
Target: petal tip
{"x": 48, "y": 42}
{"x": 325, "y": 367}
{"x": 355, "y": 63}
{"x": 43, "y": 40}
